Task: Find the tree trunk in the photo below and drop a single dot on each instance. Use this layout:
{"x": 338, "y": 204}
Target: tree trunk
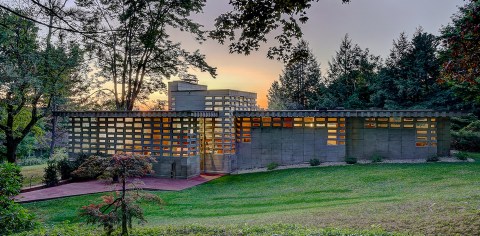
{"x": 11, "y": 151}
{"x": 52, "y": 143}
{"x": 124, "y": 208}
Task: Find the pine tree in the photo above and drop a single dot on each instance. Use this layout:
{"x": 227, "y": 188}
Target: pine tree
{"x": 297, "y": 87}
{"x": 350, "y": 75}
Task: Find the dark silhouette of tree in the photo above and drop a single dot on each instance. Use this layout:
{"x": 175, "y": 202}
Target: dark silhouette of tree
{"x": 299, "y": 83}
{"x": 409, "y": 79}
{"x": 34, "y": 75}
{"x": 137, "y": 52}
{"x": 250, "y": 22}
{"x": 461, "y": 52}
{"x": 350, "y": 76}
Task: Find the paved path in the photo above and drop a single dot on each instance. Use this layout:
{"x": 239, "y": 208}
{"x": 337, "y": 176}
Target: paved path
{"x": 97, "y": 186}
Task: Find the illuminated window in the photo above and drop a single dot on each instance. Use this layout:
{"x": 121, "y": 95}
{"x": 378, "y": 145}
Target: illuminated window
{"x": 309, "y": 119}
{"x": 370, "y": 125}
{"x": 331, "y": 142}
{"x": 421, "y": 144}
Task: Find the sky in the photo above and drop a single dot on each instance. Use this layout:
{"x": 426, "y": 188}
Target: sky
{"x": 372, "y": 24}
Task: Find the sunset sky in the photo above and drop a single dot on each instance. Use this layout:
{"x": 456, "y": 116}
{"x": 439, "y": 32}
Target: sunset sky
{"x": 372, "y": 24}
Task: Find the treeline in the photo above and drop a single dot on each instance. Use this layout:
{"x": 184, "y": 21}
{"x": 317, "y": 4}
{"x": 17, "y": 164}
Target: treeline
{"x": 409, "y": 78}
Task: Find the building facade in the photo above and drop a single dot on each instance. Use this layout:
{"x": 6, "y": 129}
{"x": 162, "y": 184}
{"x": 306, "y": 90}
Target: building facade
{"x": 220, "y": 131}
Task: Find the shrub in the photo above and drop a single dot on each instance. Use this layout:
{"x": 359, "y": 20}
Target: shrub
{"x": 90, "y": 169}
{"x": 376, "y": 158}
{"x": 13, "y": 217}
{"x": 60, "y": 154}
{"x": 467, "y": 138}
{"x": 64, "y": 166}
{"x": 350, "y": 160}
{"x": 433, "y": 159}
{"x": 272, "y": 166}
{"x": 314, "y": 162}
{"x": 50, "y": 178}
{"x": 79, "y": 160}
{"x": 463, "y": 156}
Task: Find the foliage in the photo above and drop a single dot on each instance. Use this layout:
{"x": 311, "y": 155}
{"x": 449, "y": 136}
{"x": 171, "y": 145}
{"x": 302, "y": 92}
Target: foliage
{"x": 13, "y": 217}
{"x": 409, "y": 79}
{"x": 34, "y": 76}
{"x": 461, "y": 52}
{"x": 65, "y": 168}
{"x": 121, "y": 207}
{"x": 50, "y": 178}
{"x": 314, "y": 162}
{"x": 463, "y": 156}
{"x": 433, "y": 158}
{"x": 245, "y": 35}
{"x": 351, "y": 160}
{"x": 60, "y": 154}
{"x": 79, "y": 160}
{"x": 351, "y": 72}
{"x": 91, "y": 167}
{"x": 135, "y": 51}
{"x": 467, "y": 138}
{"x": 232, "y": 230}
{"x": 10, "y": 181}
{"x": 272, "y": 166}
{"x": 299, "y": 84}
{"x": 459, "y": 122}
{"x": 376, "y": 158}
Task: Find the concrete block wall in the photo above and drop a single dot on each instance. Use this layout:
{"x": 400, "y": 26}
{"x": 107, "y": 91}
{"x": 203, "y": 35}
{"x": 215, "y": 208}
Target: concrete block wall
{"x": 287, "y": 146}
{"x": 177, "y": 167}
{"x": 444, "y": 137}
{"x": 391, "y": 143}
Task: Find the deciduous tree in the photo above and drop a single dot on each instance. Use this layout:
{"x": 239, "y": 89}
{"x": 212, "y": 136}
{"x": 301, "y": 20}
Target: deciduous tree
{"x": 135, "y": 54}
{"x": 461, "y": 52}
{"x": 121, "y": 207}
{"x": 33, "y": 75}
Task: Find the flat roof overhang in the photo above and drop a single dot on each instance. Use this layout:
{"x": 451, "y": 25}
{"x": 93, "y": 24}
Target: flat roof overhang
{"x": 348, "y": 113}
{"x": 198, "y": 114}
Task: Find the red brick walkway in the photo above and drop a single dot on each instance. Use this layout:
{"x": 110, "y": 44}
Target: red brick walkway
{"x": 96, "y": 186}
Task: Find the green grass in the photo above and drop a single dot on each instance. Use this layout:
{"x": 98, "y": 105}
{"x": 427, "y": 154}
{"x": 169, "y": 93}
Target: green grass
{"x": 430, "y": 198}
{"x": 32, "y": 175}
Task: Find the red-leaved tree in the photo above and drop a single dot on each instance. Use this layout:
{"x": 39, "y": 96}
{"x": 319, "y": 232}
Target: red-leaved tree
{"x": 120, "y": 207}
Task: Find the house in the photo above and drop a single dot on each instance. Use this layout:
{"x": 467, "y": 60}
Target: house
{"x": 220, "y": 131}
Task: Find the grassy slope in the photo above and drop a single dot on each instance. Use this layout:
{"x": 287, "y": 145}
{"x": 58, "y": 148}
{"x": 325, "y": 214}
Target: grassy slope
{"x": 423, "y": 198}
{"x": 33, "y": 174}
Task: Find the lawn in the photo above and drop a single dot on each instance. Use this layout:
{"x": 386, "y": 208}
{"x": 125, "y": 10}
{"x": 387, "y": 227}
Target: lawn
{"x": 430, "y": 198}
{"x": 32, "y": 175}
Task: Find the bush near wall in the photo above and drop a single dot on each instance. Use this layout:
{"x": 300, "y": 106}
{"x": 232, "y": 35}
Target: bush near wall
{"x": 467, "y": 138}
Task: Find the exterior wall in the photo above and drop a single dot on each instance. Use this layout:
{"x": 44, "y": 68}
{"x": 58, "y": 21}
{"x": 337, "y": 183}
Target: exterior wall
{"x": 444, "y": 136}
{"x": 217, "y": 135}
{"x": 289, "y": 141}
{"x": 170, "y": 140}
{"x": 392, "y": 138}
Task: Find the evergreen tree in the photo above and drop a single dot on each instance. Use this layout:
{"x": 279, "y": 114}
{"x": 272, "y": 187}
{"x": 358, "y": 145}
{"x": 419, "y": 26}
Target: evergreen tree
{"x": 297, "y": 87}
{"x": 350, "y": 75}
{"x": 409, "y": 79}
